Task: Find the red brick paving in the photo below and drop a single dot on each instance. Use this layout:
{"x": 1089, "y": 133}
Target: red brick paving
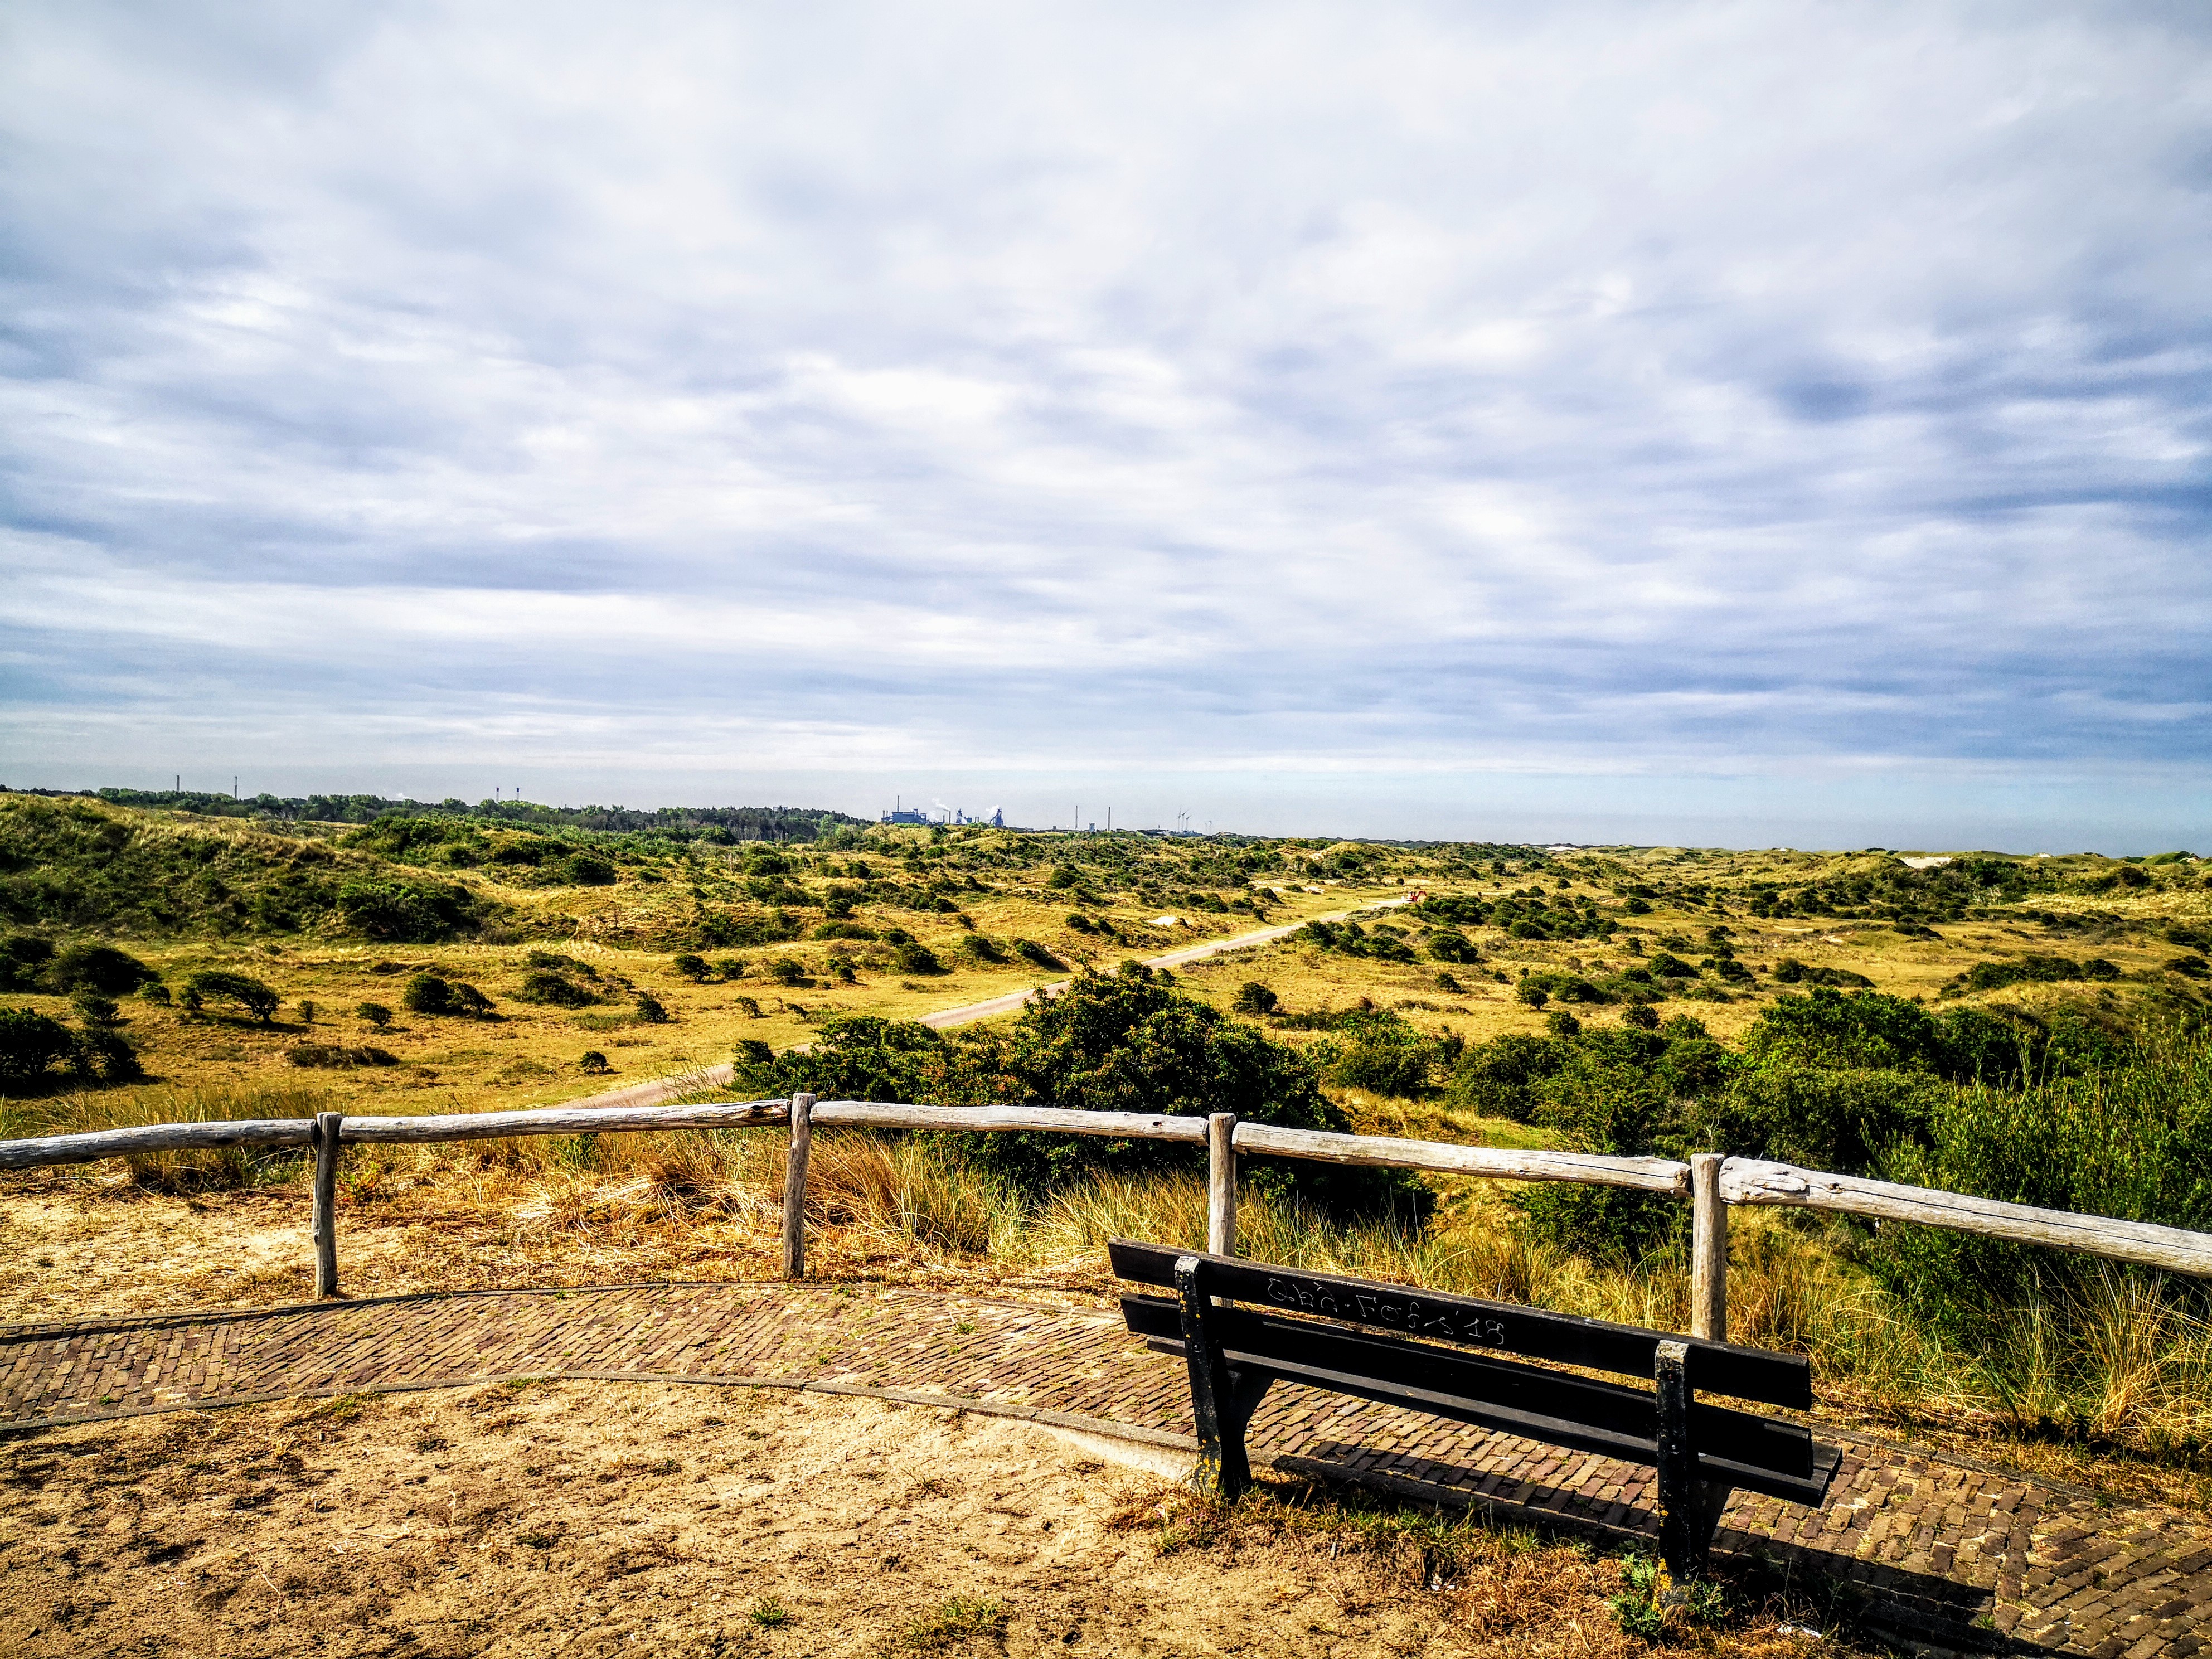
{"x": 1950, "y": 1554}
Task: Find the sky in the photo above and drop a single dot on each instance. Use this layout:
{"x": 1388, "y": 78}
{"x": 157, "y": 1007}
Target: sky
{"x": 1748, "y": 424}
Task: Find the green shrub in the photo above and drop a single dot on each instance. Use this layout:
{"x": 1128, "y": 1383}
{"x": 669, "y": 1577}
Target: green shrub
{"x": 593, "y": 1061}
{"x": 1035, "y": 954}
{"x": 336, "y": 1056}
{"x": 1384, "y": 1068}
{"x": 405, "y": 912}
{"x": 96, "y": 1010}
{"x": 2131, "y": 1140}
{"x": 1561, "y": 1024}
{"x": 249, "y": 994}
{"x": 100, "y": 968}
{"x": 1499, "y": 1077}
{"x": 427, "y": 993}
{"x": 1642, "y": 1015}
{"x": 784, "y": 971}
{"x": 375, "y": 1013}
{"x": 1446, "y": 945}
{"x": 157, "y": 994}
{"x": 1790, "y": 971}
{"x": 1254, "y": 1000}
{"x": 589, "y": 870}
{"x": 23, "y": 958}
{"x": 553, "y": 989}
{"x": 977, "y": 948}
{"x": 109, "y": 1055}
{"x": 1127, "y": 1042}
{"x": 30, "y": 1042}
{"x": 1532, "y": 992}
{"x": 650, "y": 1010}
{"x": 914, "y": 958}
{"x": 693, "y": 967}
{"x": 467, "y": 1000}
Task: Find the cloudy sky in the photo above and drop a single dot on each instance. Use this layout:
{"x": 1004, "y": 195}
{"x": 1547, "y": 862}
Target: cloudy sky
{"x": 1753, "y": 424}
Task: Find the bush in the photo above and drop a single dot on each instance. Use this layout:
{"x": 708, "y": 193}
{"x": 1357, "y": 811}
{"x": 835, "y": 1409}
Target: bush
{"x": 650, "y": 1010}
{"x": 784, "y": 971}
{"x": 467, "y": 1000}
{"x": 589, "y": 870}
{"x": 402, "y": 912}
{"x": 23, "y": 958}
{"x": 1127, "y": 1042}
{"x": 554, "y": 990}
{"x": 1499, "y": 1077}
{"x": 1255, "y": 1000}
{"x": 914, "y": 958}
{"x": 2130, "y": 1140}
{"x": 375, "y": 1013}
{"x": 109, "y": 1056}
{"x": 693, "y": 967}
{"x": 250, "y": 995}
{"x": 335, "y": 1056}
{"x": 977, "y": 948}
{"x": 1532, "y": 992}
{"x": 100, "y": 968}
{"x": 30, "y": 1042}
{"x": 593, "y": 1061}
{"x": 1790, "y": 971}
{"x": 157, "y": 994}
{"x": 427, "y": 993}
{"x": 1446, "y": 946}
{"x": 1035, "y": 954}
{"x": 1384, "y": 1068}
{"x": 1642, "y": 1015}
{"x": 1561, "y": 1024}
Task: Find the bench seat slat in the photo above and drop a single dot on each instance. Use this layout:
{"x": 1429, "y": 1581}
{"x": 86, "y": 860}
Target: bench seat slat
{"x": 1754, "y": 1374}
{"x": 1763, "y": 1454}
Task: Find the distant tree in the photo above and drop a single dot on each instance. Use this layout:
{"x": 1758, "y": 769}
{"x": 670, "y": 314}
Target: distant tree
{"x": 30, "y": 1042}
{"x": 100, "y": 968}
{"x": 23, "y": 958}
{"x": 594, "y": 1062}
{"x": 1532, "y": 993}
{"x": 96, "y": 1010}
{"x": 157, "y": 994}
{"x": 375, "y": 1013}
{"x": 306, "y": 1012}
{"x": 1255, "y": 1000}
{"x": 247, "y": 993}
{"x": 1561, "y": 1024}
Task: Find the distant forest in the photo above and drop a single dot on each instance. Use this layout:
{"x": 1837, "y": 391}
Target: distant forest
{"x": 795, "y": 823}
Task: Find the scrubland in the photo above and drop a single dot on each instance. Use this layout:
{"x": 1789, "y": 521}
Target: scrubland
{"x": 2030, "y": 1027}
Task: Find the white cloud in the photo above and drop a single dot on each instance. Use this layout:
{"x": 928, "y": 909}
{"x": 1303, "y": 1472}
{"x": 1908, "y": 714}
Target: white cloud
{"x": 1426, "y": 388}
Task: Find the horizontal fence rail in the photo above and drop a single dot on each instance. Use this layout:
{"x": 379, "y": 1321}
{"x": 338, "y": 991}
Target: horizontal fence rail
{"x": 1713, "y": 1184}
{"x": 1650, "y": 1175}
{"x": 1750, "y": 1181}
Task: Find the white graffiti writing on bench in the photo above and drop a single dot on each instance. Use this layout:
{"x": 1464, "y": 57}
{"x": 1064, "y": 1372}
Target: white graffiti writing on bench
{"x": 1411, "y": 1316}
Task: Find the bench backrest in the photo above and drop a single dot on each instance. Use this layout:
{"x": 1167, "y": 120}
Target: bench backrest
{"x": 1505, "y": 1328}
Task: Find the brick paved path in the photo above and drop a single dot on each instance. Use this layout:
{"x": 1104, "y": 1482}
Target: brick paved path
{"x": 1929, "y": 1549}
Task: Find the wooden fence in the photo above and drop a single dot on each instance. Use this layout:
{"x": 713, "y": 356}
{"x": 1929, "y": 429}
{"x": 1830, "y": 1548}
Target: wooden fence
{"x": 1712, "y": 1184}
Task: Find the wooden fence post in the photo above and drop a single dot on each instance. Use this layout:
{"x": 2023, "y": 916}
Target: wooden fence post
{"x": 1709, "y": 1247}
{"x": 1221, "y": 1183}
{"x": 795, "y": 1187}
{"x": 324, "y": 1229}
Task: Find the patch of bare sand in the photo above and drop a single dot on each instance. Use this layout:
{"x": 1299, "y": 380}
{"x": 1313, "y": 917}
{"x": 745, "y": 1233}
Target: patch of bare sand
{"x": 578, "y": 1519}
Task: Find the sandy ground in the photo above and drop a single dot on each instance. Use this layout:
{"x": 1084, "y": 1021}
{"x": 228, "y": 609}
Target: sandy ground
{"x": 585, "y": 1519}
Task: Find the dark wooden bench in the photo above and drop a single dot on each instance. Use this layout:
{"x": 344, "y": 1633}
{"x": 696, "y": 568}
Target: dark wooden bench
{"x": 1442, "y": 1355}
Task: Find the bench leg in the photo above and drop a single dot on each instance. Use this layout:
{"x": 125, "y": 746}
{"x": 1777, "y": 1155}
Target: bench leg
{"x": 1220, "y": 1403}
{"x": 1689, "y": 1508}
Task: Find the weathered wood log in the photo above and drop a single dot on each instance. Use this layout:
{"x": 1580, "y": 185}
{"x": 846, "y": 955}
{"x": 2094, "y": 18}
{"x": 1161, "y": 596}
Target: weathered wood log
{"x": 1650, "y": 1175}
{"x": 1752, "y": 1181}
{"x": 567, "y": 1120}
{"x": 1131, "y": 1126}
{"x": 323, "y": 1228}
{"x": 154, "y": 1137}
{"x": 1221, "y": 1183}
{"x": 1709, "y": 1247}
{"x": 795, "y": 1187}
